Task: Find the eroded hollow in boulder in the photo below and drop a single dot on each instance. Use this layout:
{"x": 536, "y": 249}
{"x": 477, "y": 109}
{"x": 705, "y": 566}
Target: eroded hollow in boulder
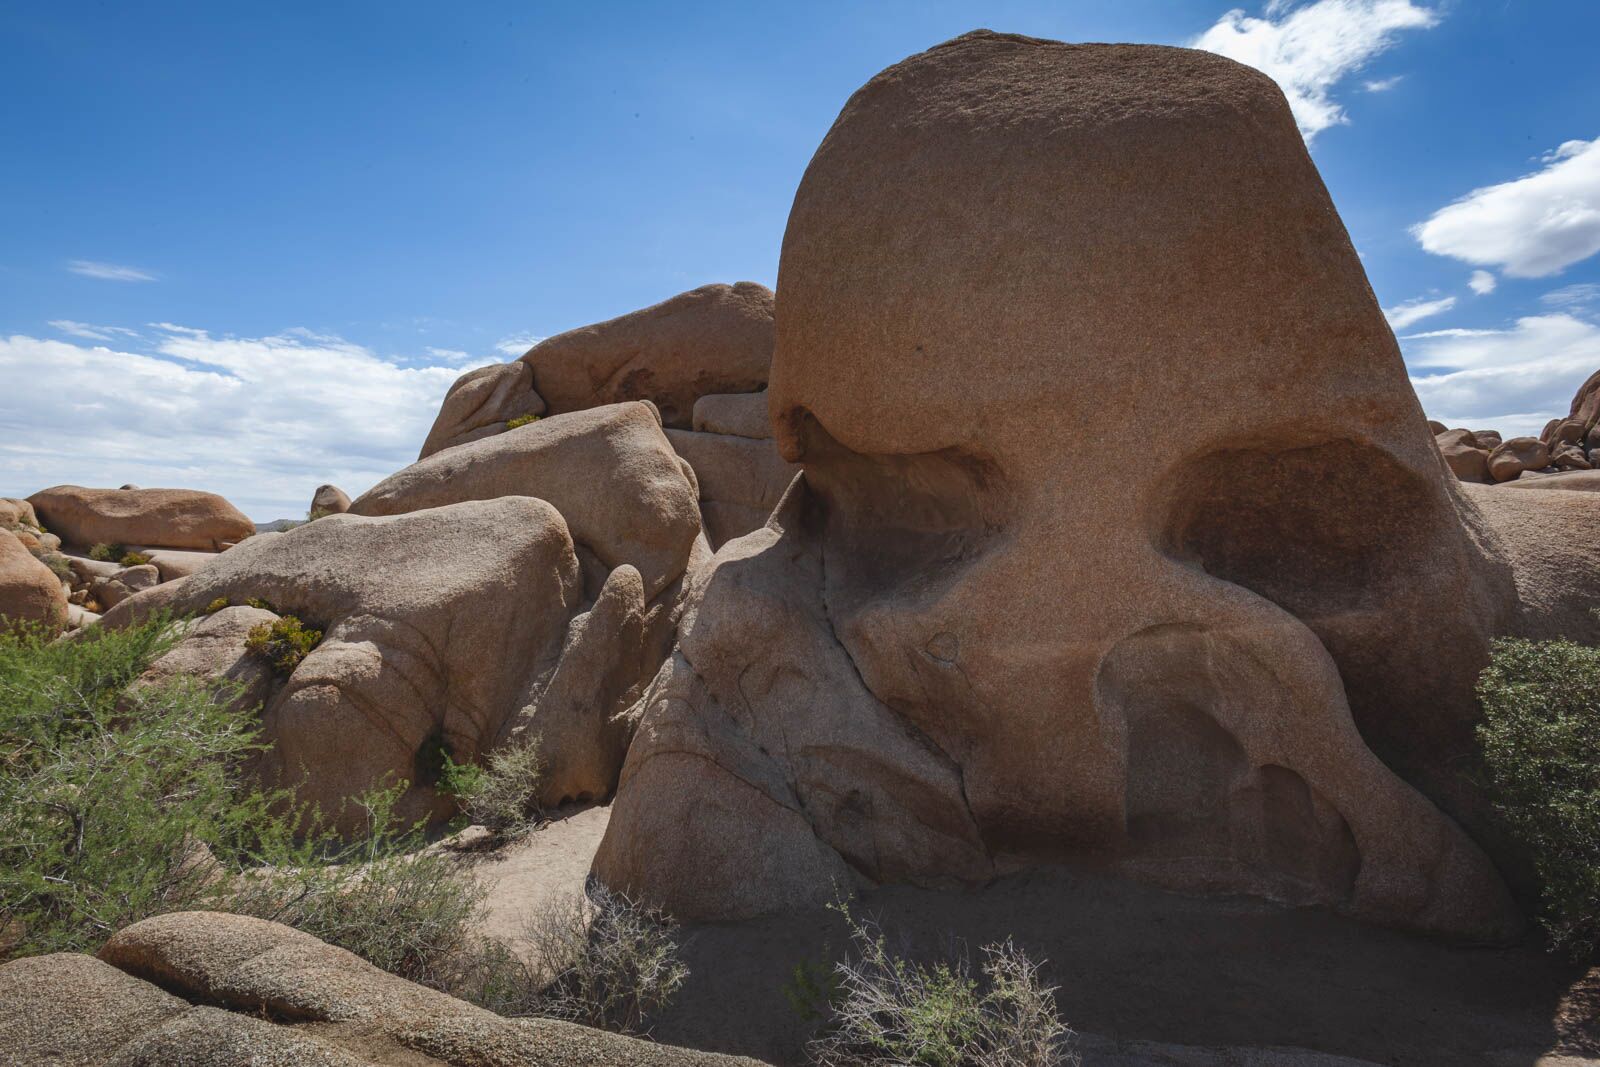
{"x": 1340, "y": 535}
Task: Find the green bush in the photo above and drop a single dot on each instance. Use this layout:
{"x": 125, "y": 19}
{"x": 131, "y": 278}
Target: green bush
{"x": 317, "y": 513}
{"x": 503, "y": 795}
{"x": 134, "y": 559}
{"x": 257, "y": 602}
{"x": 520, "y": 420}
{"x": 216, "y": 605}
{"x": 890, "y": 1012}
{"x": 1541, "y": 749}
{"x": 59, "y": 565}
{"x": 118, "y": 803}
{"x": 107, "y": 553}
{"x": 284, "y": 642}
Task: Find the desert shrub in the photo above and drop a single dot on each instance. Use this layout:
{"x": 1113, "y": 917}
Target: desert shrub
{"x": 1541, "y": 751}
{"x": 110, "y": 799}
{"x": 520, "y": 420}
{"x": 502, "y": 795}
{"x": 890, "y": 1011}
{"x": 118, "y": 803}
{"x": 317, "y": 513}
{"x": 59, "y": 565}
{"x": 604, "y": 959}
{"x": 257, "y": 602}
{"x": 283, "y": 642}
{"x": 107, "y": 553}
{"x": 134, "y": 559}
{"x": 381, "y": 896}
{"x": 216, "y": 605}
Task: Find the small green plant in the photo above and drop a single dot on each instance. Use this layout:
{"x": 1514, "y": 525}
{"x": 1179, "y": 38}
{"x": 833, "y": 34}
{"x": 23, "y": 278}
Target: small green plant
{"x": 317, "y": 513}
{"x": 1541, "y": 751}
{"x": 284, "y": 642}
{"x": 257, "y": 602}
{"x": 502, "y": 795}
{"x": 216, "y": 605}
{"x": 607, "y": 961}
{"x": 812, "y": 989}
{"x": 59, "y": 565}
{"x": 891, "y": 1012}
{"x": 520, "y": 420}
{"x": 134, "y": 559}
{"x": 105, "y": 553}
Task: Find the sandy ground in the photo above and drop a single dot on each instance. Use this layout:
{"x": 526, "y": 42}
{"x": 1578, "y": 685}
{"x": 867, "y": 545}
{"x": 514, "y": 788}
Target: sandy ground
{"x": 1139, "y": 969}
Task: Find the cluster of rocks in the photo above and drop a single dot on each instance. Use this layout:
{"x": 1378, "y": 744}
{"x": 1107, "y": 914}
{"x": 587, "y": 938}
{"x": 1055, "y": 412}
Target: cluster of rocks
{"x": 1564, "y": 447}
{"x": 83, "y": 551}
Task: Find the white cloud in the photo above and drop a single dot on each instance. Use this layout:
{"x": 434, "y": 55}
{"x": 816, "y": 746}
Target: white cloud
{"x": 262, "y": 421}
{"x": 1513, "y": 380}
{"x": 91, "y": 332}
{"x": 110, "y": 272}
{"x": 1482, "y": 282}
{"x": 1381, "y": 85}
{"x": 1573, "y": 296}
{"x": 453, "y": 356}
{"x": 517, "y": 343}
{"x": 1310, "y": 50}
{"x": 1413, "y": 311}
{"x": 1531, "y": 227}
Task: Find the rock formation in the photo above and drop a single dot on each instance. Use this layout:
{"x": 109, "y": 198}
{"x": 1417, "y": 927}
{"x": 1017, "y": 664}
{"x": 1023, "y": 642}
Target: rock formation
{"x": 167, "y": 518}
{"x": 212, "y": 990}
{"x": 970, "y": 636}
{"x": 714, "y": 339}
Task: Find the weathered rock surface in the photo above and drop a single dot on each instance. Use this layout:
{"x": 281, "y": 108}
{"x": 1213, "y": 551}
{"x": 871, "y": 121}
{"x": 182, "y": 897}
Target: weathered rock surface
{"x": 480, "y": 403}
{"x": 739, "y": 480}
{"x": 169, "y": 518}
{"x": 950, "y": 645}
{"x": 29, "y": 591}
{"x": 739, "y": 414}
{"x": 714, "y": 339}
{"x": 233, "y": 974}
{"x": 15, "y": 512}
{"x": 329, "y": 500}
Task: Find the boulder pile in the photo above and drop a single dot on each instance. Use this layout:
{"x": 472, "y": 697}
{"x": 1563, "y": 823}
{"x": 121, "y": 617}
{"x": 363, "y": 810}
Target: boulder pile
{"x": 1563, "y": 447}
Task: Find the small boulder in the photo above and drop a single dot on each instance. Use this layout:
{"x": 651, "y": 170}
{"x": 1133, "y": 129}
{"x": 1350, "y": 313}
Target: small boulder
{"x": 1569, "y": 457}
{"x": 1488, "y": 438}
{"x": 329, "y": 500}
{"x": 736, "y": 414}
{"x": 125, "y": 583}
{"x": 1460, "y": 449}
{"x": 169, "y": 518}
{"x": 1436, "y": 427}
{"x": 1511, "y": 458}
{"x": 480, "y": 403}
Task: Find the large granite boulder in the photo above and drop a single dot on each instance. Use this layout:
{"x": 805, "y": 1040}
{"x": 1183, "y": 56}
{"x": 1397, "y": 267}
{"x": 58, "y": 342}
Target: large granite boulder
{"x": 714, "y": 339}
{"x": 205, "y": 989}
{"x": 972, "y": 633}
{"x": 165, "y": 518}
{"x": 30, "y": 592}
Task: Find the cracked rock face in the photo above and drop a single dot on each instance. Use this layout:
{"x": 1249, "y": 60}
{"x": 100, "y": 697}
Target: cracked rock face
{"x": 972, "y": 635}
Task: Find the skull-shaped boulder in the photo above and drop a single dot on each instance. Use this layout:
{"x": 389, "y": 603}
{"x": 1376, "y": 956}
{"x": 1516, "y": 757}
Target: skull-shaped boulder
{"x": 975, "y": 633}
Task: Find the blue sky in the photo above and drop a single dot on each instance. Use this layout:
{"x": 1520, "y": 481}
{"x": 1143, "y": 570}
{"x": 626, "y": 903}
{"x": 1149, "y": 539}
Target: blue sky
{"x": 246, "y": 248}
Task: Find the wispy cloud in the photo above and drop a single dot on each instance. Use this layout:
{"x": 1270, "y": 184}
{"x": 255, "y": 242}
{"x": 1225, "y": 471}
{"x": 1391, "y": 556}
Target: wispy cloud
{"x": 1310, "y": 50}
{"x": 1513, "y": 380}
{"x": 110, "y": 272}
{"x": 261, "y": 420}
{"x": 1573, "y": 296}
{"x": 1381, "y": 85}
{"x": 453, "y": 356}
{"x": 1481, "y": 282}
{"x": 90, "y": 332}
{"x": 1531, "y": 227}
{"x": 1414, "y": 311}
{"x": 517, "y": 343}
